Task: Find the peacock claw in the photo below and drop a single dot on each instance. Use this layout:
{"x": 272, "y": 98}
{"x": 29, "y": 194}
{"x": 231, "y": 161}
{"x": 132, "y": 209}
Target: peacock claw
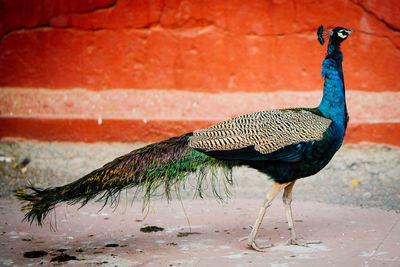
{"x": 301, "y": 242}
{"x": 252, "y": 244}
{"x": 243, "y": 238}
{"x": 256, "y": 247}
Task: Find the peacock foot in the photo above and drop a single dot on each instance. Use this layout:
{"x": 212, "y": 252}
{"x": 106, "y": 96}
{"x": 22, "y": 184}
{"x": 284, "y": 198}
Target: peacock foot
{"x": 300, "y": 242}
{"x": 252, "y": 244}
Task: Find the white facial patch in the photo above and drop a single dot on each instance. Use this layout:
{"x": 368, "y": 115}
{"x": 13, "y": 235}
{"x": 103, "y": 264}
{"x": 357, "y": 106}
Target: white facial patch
{"x": 343, "y": 33}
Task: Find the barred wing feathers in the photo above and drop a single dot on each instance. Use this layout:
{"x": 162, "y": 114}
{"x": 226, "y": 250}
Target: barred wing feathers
{"x": 260, "y": 134}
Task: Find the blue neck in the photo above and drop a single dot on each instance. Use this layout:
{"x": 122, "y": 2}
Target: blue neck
{"x": 333, "y": 103}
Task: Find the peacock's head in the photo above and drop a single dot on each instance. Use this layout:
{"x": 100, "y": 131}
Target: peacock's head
{"x": 337, "y": 35}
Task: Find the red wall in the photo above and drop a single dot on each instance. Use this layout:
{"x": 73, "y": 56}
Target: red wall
{"x": 107, "y": 70}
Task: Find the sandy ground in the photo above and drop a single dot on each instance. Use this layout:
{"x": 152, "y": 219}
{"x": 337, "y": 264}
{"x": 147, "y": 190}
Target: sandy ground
{"x": 352, "y": 206}
{"x": 375, "y": 167}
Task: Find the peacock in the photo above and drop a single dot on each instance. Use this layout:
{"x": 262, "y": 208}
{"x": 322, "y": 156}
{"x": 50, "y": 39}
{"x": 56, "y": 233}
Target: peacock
{"x": 285, "y": 144}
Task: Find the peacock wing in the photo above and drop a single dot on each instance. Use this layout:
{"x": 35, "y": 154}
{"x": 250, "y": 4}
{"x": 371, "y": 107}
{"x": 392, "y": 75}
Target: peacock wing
{"x": 272, "y": 134}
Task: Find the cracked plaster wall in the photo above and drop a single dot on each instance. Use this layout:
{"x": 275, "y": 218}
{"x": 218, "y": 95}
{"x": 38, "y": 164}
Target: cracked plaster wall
{"x": 177, "y": 54}
{"x": 205, "y": 46}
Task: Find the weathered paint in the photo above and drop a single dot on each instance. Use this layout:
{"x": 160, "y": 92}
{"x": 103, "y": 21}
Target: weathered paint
{"x": 179, "y": 61}
{"x": 363, "y": 107}
{"x": 129, "y": 130}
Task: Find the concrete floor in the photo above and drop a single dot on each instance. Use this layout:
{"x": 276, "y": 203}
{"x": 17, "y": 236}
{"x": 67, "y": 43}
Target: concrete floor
{"x": 351, "y": 236}
{"x": 345, "y": 206}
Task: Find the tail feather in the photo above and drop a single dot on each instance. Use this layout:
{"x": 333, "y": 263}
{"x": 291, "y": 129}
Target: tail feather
{"x": 165, "y": 164}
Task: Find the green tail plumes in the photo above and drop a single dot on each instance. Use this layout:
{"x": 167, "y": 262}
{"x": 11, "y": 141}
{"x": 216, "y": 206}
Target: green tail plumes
{"x": 166, "y": 164}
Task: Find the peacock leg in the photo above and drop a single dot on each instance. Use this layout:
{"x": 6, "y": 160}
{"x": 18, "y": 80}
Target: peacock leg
{"x": 267, "y": 202}
{"x": 287, "y": 200}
